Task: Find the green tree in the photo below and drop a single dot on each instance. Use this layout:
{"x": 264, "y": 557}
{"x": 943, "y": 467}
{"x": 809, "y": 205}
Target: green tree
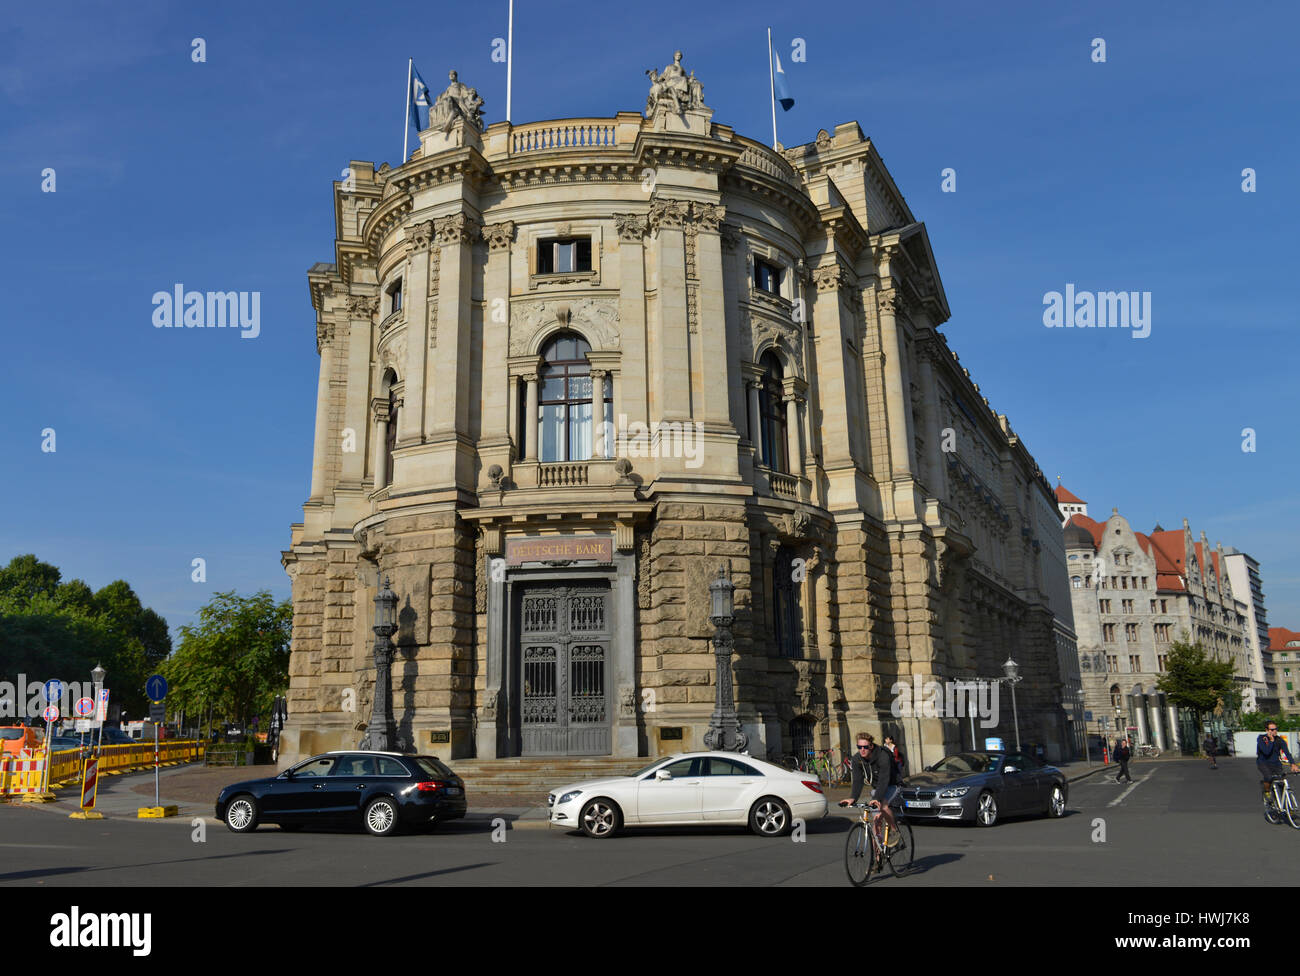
{"x": 1197, "y": 682}
{"x": 235, "y": 660}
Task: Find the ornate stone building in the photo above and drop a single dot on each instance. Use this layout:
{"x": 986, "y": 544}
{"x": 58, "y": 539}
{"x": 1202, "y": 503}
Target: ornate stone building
{"x": 569, "y": 369}
{"x": 1135, "y": 594}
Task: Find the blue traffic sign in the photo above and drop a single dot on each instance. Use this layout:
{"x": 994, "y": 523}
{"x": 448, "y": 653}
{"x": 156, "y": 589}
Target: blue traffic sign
{"x": 53, "y": 690}
{"x": 156, "y": 687}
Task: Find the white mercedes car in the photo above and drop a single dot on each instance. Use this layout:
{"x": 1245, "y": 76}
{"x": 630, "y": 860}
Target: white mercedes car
{"x": 691, "y": 789}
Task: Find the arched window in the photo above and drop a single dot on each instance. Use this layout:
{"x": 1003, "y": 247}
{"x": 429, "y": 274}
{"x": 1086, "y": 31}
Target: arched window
{"x": 390, "y": 439}
{"x": 1116, "y": 697}
{"x": 771, "y": 414}
{"x": 564, "y": 401}
{"x": 785, "y": 605}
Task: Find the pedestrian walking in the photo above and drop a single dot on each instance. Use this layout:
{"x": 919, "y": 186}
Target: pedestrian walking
{"x": 900, "y": 757}
{"x": 1211, "y": 751}
{"x": 1122, "y": 755}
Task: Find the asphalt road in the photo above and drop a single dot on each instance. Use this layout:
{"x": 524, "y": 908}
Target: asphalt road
{"x": 1178, "y": 824}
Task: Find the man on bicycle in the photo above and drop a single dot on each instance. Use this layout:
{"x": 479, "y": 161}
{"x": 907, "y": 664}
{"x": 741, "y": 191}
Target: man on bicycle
{"x": 875, "y": 764}
{"x": 1269, "y": 750}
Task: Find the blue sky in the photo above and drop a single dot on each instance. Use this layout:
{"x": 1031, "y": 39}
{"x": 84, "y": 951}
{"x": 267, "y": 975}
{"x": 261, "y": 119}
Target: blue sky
{"x": 173, "y": 445}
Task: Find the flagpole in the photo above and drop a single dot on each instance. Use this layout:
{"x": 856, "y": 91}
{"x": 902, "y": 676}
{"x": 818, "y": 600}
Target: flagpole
{"x": 510, "y": 52}
{"x": 406, "y": 131}
{"x": 771, "y": 85}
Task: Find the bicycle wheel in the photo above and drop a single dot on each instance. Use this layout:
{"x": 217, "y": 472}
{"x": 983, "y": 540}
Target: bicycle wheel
{"x": 1292, "y": 809}
{"x": 901, "y": 854}
{"x": 858, "y": 854}
{"x": 1271, "y": 813}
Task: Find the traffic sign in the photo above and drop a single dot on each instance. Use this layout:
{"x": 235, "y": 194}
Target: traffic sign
{"x": 102, "y": 714}
{"x": 51, "y": 713}
{"x": 84, "y": 706}
{"x": 53, "y": 690}
{"x": 157, "y": 712}
{"x": 156, "y": 687}
{"x": 84, "y": 724}
{"x": 1087, "y": 716}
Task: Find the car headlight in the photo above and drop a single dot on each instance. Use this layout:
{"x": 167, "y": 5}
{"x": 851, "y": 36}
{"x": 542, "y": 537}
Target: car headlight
{"x": 957, "y": 791}
{"x": 571, "y": 795}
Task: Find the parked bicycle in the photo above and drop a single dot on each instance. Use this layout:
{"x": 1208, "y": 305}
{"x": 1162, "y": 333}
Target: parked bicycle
{"x": 1148, "y": 751}
{"x": 1281, "y": 802}
{"x": 872, "y": 843}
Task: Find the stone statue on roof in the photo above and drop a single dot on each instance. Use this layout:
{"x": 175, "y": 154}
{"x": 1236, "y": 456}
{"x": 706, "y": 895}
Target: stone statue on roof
{"x": 458, "y": 101}
{"x": 672, "y": 90}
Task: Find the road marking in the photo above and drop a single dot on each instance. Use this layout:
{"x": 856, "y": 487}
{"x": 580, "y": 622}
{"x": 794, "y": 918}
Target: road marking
{"x": 1131, "y": 788}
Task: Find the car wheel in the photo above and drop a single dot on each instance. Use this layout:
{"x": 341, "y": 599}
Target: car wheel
{"x": 1056, "y": 801}
{"x": 600, "y": 818}
{"x": 769, "y": 817}
{"x": 381, "y": 816}
{"x": 241, "y": 814}
{"x": 986, "y": 810}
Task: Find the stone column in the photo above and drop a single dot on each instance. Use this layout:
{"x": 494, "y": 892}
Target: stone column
{"x": 625, "y": 676}
{"x": 898, "y": 402}
{"x": 631, "y": 392}
{"x": 530, "y": 419}
{"x": 755, "y": 425}
{"x": 794, "y": 446}
{"x": 598, "y": 412}
{"x": 495, "y": 432}
{"x": 490, "y": 744}
{"x": 668, "y": 333}
{"x": 361, "y": 310}
{"x": 379, "y": 406}
{"x": 320, "y": 449}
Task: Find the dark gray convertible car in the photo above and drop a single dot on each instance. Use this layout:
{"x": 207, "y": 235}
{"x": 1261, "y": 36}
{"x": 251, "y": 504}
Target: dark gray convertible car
{"x": 984, "y": 786}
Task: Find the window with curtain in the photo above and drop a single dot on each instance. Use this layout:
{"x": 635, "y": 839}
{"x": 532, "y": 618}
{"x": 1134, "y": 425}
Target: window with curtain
{"x": 565, "y": 431}
{"x": 771, "y": 414}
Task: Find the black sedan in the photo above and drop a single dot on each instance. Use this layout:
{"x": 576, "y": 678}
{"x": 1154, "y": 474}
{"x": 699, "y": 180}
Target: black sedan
{"x": 983, "y": 786}
{"x": 382, "y": 791}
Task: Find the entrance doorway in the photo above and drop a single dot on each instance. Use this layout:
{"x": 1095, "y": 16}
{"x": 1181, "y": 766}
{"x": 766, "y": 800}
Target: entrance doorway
{"x": 563, "y": 670}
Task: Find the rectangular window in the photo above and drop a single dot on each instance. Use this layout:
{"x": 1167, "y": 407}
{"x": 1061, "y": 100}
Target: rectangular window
{"x": 1105, "y": 606}
{"x": 767, "y": 277}
{"x": 395, "y": 297}
{"x": 1131, "y": 633}
{"x": 1164, "y": 606}
{"x": 1144, "y": 582}
{"x": 1134, "y": 663}
{"x": 1108, "y": 633}
{"x": 563, "y": 255}
{"x": 1128, "y": 606}
{"x": 1112, "y": 662}
{"x": 1160, "y": 661}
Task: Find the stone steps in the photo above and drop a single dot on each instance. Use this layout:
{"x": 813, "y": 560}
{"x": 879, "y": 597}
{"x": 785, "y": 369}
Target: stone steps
{"x": 537, "y": 776}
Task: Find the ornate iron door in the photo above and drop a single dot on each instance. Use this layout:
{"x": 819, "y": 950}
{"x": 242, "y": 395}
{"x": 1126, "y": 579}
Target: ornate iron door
{"x": 563, "y": 671}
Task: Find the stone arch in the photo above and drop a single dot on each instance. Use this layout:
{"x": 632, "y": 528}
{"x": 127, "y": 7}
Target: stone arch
{"x": 778, "y": 346}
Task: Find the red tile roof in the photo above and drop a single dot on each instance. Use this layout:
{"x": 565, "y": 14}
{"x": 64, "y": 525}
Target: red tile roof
{"x": 1278, "y": 637}
{"x": 1095, "y": 528}
{"x": 1167, "y": 546}
{"x": 1064, "y": 494}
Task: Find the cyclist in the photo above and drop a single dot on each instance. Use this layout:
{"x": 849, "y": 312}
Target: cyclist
{"x": 1269, "y": 750}
{"x": 875, "y": 764}
{"x": 1210, "y": 750}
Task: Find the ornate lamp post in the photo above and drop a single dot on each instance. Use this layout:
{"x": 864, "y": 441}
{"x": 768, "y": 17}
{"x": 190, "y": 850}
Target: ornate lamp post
{"x": 1012, "y": 672}
{"x": 379, "y": 732}
{"x": 724, "y": 725}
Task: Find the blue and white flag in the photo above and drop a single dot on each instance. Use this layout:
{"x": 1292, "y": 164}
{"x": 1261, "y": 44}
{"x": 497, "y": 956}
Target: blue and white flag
{"x": 419, "y": 95}
{"x": 782, "y": 89}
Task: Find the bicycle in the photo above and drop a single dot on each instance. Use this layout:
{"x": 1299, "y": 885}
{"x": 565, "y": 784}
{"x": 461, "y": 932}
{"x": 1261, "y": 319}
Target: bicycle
{"x": 868, "y": 847}
{"x": 1148, "y": 752}
{"x": 1281, "y": 802}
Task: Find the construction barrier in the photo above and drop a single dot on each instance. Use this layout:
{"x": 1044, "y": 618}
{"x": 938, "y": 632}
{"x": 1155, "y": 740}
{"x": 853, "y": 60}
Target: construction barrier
{"x": 23, "y": 774}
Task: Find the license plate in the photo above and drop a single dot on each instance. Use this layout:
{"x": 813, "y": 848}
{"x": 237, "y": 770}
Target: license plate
{"x": 453, "y": 791}
{"x": 924, "y": 804}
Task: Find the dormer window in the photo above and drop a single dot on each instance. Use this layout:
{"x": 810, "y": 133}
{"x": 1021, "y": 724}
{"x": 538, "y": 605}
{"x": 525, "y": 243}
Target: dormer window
{"x": 767, "y": 277}
{"x": 563, "y": 255}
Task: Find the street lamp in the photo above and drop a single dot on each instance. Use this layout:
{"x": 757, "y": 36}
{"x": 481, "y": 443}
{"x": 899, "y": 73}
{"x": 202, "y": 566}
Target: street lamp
{"x": 97, "y": 676}
{"x": 1012, "y": 672}
{"x": 379, "y": 731}
{"x": 724, "y": 725}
